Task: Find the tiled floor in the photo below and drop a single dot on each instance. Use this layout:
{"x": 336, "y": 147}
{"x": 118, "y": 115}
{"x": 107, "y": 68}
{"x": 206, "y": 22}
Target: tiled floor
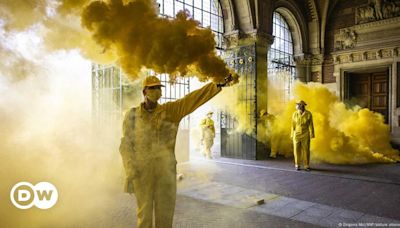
{"x": 344, "y": 195}
{"x": 224, "y": 193}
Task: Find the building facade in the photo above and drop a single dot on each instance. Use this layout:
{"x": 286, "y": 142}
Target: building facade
{"x": 352, "y": 47}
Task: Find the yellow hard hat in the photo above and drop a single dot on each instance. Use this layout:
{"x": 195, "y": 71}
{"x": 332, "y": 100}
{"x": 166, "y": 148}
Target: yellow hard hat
{"x": 301, "y": 102}
{"x": 151, "y": 81}
{"x": 210, "y": 112}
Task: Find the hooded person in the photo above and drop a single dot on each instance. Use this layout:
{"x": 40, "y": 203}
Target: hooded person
{"x": 208, "y": 134}
{"x": 148, "y": 149}
{"x": 302, "y": 131}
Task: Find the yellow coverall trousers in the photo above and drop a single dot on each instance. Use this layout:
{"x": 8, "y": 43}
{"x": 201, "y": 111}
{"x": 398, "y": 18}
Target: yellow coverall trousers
{"x": 302, "y": 152}
{"x": 155, "y": 189}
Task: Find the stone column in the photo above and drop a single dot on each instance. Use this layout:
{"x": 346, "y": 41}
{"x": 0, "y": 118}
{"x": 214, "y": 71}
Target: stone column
{"x": 263, "y": 42}
{"x": 316, "y": 68}
{"x": 303, "y": 67}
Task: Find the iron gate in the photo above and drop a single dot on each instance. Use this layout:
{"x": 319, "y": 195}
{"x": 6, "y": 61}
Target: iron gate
{"x": 235, "y": 144}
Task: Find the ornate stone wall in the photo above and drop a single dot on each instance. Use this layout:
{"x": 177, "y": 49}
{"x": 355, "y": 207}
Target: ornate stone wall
{"x": 363, "y": 36}
{"x": 377, "y": 10}
{"x": 361, "y": 31}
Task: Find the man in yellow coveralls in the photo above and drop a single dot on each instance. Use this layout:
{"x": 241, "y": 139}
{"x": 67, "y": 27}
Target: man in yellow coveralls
{"x": 207, "y": 134}
{"x": 301, "y": 131}
{"x": 148, "y": 149}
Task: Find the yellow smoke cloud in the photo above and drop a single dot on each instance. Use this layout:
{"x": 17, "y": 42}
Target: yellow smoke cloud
{"x": 20, "y": 14}
{"x": 65, "y": 32}
{"x": 232, "y": 100}
{"x": 343, "y": 135}
{"x": 47, "y": 135}
{"x": 66, "y": 7}
{"x": 142, "y": 39}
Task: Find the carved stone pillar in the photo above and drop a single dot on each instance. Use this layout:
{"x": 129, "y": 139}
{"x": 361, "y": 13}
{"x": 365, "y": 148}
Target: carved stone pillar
{"x": 231, "y": 39}
{"x": 263, "y": 44}
{"x": 303, "y": 67}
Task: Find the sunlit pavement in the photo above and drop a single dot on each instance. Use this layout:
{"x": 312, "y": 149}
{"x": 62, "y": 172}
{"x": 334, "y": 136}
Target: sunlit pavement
{"x": 224, "y": 193}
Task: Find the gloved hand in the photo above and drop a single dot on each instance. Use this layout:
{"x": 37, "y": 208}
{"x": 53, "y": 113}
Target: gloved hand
{"x": 228, "y": 80}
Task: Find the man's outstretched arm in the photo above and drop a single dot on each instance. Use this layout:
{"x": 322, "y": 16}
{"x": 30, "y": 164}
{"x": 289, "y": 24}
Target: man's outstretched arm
{"x": 186, "y": 105}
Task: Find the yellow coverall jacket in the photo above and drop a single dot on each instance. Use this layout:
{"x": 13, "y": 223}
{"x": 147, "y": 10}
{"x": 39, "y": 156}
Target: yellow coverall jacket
{"x": 302, "y": 131}
{"x": 207, "y": 135}
{"x": 208, "y": 123}
{"x": 151, "y": 165}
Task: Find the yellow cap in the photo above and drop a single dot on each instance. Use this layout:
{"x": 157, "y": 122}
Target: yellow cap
{"x": 151, "y": 81}
{"x": 210, "y": 112}
{"x": 301, "y": 103}
{"x": 262, "y": 112}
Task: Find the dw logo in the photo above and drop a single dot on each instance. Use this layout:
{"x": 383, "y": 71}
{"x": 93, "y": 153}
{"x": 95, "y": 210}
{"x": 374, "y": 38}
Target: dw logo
{"x": 43, "y": 195}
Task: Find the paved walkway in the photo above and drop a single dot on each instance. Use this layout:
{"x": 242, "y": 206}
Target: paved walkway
{"x": 327, "y": 196}
{"x": 223, "y": 193}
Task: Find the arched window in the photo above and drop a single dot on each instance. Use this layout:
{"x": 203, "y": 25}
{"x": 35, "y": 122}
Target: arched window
{"x": 281, "y": 65}
{"x": 207, "y": 12}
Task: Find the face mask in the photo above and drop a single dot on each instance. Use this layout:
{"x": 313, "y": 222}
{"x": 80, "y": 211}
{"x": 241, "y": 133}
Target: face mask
{"x": 299, "y": 107}
{"x": 153, "y": 94}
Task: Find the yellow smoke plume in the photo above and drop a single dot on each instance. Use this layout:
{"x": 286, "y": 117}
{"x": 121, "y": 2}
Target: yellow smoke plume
{"x": 343, "y": 135}
{"x": 232, "y": 100}
{"x": 122, "y": 32}
{"x": 141, "y": 39}
{"x": 47, "y": 135}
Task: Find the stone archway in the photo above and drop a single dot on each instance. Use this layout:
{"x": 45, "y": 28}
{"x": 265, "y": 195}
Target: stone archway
{"x": 229, "y": 15}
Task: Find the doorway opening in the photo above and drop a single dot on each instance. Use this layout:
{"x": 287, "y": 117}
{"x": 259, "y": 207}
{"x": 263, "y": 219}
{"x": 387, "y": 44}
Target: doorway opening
{"x": 369, "y": 89}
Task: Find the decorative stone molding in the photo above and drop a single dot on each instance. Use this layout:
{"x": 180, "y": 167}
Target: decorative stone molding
{"x": 387, "y": 53}
{"x": 368, "y": 34}
{"x": 261, "y": 38}
{"x": 396, "y": 52}
{"x": 303, "y": 59}
{"x": 312, "y": 7}
{"x": 377, "y": 24}
{"x": 316, "y": 76}
{"x": 266, "y": 38}
{"x": 377, "y": 10}
{"x": 231, "y": 39}
{"x": 368, "y": 55}
{"x": 345, "y": 39}
{"x": 317, "y": 59}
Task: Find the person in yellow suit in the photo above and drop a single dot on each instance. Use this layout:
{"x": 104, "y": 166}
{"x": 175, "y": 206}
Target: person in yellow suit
{"x": 302, "y": 131}
{"x": 272, "y": 136}
{"x": 148, "y": 149}
{"x": 207, "y": 134}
